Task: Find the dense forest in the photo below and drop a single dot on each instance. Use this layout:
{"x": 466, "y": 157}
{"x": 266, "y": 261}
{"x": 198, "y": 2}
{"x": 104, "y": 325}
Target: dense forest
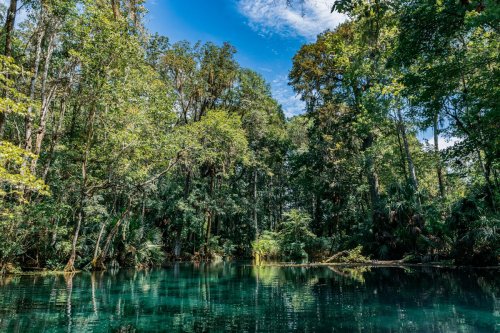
{"x": 120, "y": 148}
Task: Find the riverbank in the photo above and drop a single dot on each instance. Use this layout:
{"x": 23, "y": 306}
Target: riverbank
{"x": 371, "y": 263}
{"x": 39, "y": 273}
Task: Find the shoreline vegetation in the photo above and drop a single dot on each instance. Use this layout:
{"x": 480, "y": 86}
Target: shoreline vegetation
{"x": 313, "y": 264}
{"x": 120, "y": 148}
{"x": 373, "y": 264}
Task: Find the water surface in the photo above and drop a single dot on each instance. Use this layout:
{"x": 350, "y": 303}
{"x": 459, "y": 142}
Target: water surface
{"x": 235, "y": 297}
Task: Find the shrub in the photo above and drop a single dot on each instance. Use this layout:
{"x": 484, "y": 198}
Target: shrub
{"x": 349, "y": 256}
{"x": 267, "y": 245}
{"x": 290, "y": 242}
{"x": 295, "y": 234}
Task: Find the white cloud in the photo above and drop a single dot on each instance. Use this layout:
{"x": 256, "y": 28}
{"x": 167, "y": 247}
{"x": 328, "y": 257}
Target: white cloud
{"x": 305, "y": 18}
{"x": 283, "y": 93}
{"x": 443, "y": 142}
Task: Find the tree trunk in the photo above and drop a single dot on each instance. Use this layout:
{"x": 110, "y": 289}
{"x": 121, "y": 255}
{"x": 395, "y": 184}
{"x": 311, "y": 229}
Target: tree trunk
{"x": 411, "y": 166}
{"x": 318, "y": 215}
{"x": 55, "y": 139}
{"x": 70, "y": 266}
{"x": 255, "y": 219}
{"x": 178, "y": 240}
{"x": 178, "y": 244}
{"x": 46, "y": 100}
{"x": 439, "y": 170}
{"x": 28, "y": 140}
{"x": 486, "y": 168}
{"x": 208, "y": 213}
{"x": 372, "y": 175}
{"x": 9, "y": 27}
{"x": 98, "y": 242}
{"x": 98, "y": 262}
{"x": 83, "y": 192}
{"x": 133, "y": 12}
{"x": 401, "y": 152}
{"x": 115, "y": 5}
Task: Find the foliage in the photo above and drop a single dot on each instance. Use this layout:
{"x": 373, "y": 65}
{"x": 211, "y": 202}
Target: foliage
{"x": 117, "y": 147}
{"x": 349, "y": 256}
{"x": 295, "y": 234}
{"x": 290, "y": 242}
{"x": 267, "y": 245}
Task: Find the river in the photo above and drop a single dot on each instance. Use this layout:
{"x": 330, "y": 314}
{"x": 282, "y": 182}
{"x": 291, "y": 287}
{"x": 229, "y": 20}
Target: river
{"x": 240, "y": 297}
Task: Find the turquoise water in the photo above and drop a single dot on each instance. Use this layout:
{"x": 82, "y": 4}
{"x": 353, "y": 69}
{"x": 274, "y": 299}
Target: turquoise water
{"x": 235, "y": 297}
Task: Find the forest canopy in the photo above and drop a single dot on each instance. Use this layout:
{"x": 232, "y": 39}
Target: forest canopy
{"x": 120, "y": 148}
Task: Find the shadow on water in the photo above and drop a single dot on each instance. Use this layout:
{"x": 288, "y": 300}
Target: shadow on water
{"x": 236, "y": 297}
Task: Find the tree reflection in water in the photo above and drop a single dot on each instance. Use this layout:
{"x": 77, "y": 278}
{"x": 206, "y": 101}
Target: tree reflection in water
{"x": 237, "y": 297}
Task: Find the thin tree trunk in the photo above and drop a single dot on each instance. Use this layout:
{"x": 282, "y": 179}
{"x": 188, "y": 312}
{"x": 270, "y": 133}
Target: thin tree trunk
{"x": 178, "y": 240}
{"x": 70, "y": 266}
{"x": 115, "y": 5}
{"x": 46, "y": 101}
{"x": 255, "y": 219}
{"x": 401, "y": 152}
{"x": 54, "y": 140}
{"x": 439, "y": 170}
{"x": 28, "y": 140}
{"x": 133, "y": 12}
{"x": 83, "y": 192}
{"x": 208, "y": 214}
{"x": 98, "y": 242}
{"x": 54, "y": 232}
{"x": 98, "y": 262}
{"x": 9, "y": 27}
{"x": 411, "y": 166}
{"x": 372, "y": 175}
{"x": 281, "y": 189}
{"x": 486, "y": 173}
{"x": 318, "y": 215}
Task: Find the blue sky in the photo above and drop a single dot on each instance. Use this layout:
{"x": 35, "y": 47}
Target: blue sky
{"x": 266, "y": 33}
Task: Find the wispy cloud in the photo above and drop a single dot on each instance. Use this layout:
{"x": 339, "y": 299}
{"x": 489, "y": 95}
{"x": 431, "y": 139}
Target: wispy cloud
{"x": 283, "y": 93}
{"x": 305, "y": 18}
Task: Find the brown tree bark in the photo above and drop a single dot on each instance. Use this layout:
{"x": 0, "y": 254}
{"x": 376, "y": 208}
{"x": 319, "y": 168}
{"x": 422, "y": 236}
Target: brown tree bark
{"x": 9, "y": 28}
{"x": 115, "y": 5}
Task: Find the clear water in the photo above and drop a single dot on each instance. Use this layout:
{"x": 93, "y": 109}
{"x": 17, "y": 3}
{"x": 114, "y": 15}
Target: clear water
{"x": 232, "y": 297}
